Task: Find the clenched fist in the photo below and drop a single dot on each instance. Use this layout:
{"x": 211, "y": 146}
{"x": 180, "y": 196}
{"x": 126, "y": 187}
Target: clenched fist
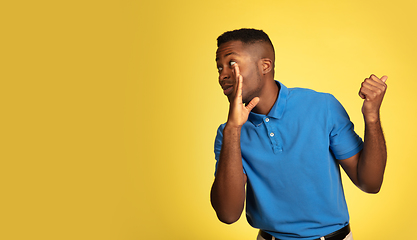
{"x": 372, "y": 91}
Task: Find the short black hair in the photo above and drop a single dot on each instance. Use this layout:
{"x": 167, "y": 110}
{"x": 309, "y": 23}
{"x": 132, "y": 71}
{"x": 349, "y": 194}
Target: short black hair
{"x": 245, "y": 35}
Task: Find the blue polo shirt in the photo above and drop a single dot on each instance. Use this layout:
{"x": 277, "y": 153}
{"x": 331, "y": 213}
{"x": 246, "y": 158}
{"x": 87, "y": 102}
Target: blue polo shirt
{"x": 290, "y": 156}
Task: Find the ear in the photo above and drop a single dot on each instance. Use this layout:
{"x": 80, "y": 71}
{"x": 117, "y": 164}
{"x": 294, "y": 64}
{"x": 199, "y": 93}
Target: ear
{"x": 267, "y": 65}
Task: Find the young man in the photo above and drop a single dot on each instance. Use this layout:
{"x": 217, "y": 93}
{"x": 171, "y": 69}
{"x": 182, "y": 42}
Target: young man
{"x": 280, "y": 148}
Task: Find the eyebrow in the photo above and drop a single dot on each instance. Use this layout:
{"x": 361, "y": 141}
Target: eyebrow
{"x": 231, "y": 53}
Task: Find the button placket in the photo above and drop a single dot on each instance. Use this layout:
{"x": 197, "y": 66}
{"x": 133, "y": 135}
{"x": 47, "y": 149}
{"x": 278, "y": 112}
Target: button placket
{"x": 273, "y": 137}
{"x": 270, "y": 132}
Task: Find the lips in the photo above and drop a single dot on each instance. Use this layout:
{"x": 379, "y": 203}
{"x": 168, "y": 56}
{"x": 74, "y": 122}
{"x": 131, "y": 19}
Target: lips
{"x": 227, "y": 89}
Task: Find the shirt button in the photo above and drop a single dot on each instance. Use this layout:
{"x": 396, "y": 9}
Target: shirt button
{"x": 271, "y": 134}
{"x": 266, "y": 119}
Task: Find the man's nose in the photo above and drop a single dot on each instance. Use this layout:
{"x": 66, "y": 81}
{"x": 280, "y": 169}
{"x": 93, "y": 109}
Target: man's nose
{"x": 225, "y": 74}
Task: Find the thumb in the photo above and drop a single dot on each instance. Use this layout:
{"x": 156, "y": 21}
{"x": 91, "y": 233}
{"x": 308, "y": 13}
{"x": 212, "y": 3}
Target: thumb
{"x": 384, "y": 78}
{"x": 252, "y": 103}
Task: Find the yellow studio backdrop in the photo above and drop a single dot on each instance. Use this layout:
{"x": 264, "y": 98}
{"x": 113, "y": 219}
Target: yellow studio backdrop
{"x": 109, "y": 110}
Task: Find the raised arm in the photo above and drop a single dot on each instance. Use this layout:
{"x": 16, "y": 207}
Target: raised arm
{"x": 228, "y": 190}
{"x": 366, "y": 169}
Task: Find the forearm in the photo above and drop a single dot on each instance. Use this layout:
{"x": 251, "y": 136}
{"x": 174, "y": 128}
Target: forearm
{"x": 228, "y": 190}
{"x": 373, "y": 159}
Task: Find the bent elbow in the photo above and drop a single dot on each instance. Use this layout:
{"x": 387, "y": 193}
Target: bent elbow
{"x": 371, "y": 189}
{"x": 228, "y": 219}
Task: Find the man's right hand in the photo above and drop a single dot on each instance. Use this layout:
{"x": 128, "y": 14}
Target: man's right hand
{"x": 238, "y": 112}
{"x": 228, "y": 191}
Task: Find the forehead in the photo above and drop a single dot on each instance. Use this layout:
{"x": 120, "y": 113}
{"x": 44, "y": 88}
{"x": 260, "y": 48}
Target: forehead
{"x": 230, "y": 48}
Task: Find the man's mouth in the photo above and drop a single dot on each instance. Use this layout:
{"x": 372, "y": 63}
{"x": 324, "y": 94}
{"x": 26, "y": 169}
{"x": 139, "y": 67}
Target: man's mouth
{"x": 227, "y": 90}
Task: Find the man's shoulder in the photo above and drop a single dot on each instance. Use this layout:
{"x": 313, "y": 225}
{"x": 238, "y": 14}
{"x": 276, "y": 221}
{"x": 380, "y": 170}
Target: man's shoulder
{"x": 306, "y": 94}
{"x": 301, "y": 90}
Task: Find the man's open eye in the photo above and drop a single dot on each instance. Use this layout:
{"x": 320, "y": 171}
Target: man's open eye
{"x": 219, "y": 68}
{"x": 232, "y": 63}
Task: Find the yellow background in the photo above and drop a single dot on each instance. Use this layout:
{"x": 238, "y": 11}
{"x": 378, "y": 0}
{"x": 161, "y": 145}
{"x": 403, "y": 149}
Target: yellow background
{"x": 109, "y": 110}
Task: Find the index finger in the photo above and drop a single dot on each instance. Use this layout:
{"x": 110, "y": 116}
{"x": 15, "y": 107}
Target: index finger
{"x": 238, "y": 82}
{"x": 236, "y": 70}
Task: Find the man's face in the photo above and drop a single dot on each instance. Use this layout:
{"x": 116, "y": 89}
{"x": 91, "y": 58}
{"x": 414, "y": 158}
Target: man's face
{"x": 236, "y": 52}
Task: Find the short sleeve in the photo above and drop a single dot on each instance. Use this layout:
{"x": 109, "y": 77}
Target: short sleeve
{"x": 218, "y": 142}
{"x": 344, "y": 142}
{"x": 218, "y": 146}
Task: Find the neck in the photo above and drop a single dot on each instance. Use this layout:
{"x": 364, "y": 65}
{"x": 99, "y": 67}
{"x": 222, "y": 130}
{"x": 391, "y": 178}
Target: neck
{"x": 268, "y": 98}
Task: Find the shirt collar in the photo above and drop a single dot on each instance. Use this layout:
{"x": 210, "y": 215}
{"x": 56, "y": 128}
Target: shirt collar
{"x": 277, "y": 110}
